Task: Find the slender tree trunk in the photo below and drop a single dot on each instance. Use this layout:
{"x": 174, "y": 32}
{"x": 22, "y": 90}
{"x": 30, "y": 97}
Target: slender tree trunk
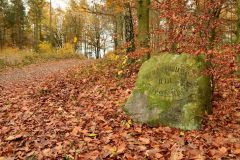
{"x": 40, "y": 31}
{"x": 36, "y": 35}
{"x": 1, "y": 38}
{"x": 85, "y": 46}
{"x": 129, "y": 32}
{"x": 115, "y": 35}
{"x": 1, "y": 26}
{"x": 19, "y": 32}
{"x": 98, "y": 46}
{"x": 50, "y": 23}
{"x": 173, "y": 45}
{"x": 2, "y": 34}
{"x": 119, "y": 30}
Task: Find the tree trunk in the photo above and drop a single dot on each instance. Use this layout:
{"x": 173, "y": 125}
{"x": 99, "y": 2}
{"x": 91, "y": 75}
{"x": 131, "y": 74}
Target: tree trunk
{"x": 129, "y": 32}
{"x": 173, "y": 45}
{"x": 85, "y": 45}
{"x": 50, "y": 24}
{"x": 98, "y": 46}
{"x": 143, "y": 34}
{"x": 119, "y": 30}
{"x": 1, "y": 38}
{"x": 238, "y": 22}
{"x": 36, "y": 35}
{"x": 2, "y": 26}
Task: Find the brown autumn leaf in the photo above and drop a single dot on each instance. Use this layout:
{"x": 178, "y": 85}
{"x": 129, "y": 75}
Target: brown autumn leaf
{"x": 176, "y": 152}
{"x": 237, "y": 151}
{"x": 141, "y": 148}
{"x": 223, "y": 151}
{"x": 14, "y": 137}
{"x": 87, "y": 139}
{"x": 32, "y": 156}
{"x": 152, "y": 152}
{"x": 58, "y": 148}
{"x": 212, "y": 152}
{"x": 199, "y": 157}
{"x": 144, "y": 140}
{"x": 47, "y": 152}
{"x": 196, "y": 154}
{"x": 75, "y": 131}
{"x": 121, "y": 148}
{"x": 6, "y": 158}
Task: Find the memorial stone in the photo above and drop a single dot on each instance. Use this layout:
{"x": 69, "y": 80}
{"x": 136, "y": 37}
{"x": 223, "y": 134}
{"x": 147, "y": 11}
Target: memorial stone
{"x": 171, "y": 90}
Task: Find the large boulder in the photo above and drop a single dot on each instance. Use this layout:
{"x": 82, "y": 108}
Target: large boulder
{"x": 171, "y": 90}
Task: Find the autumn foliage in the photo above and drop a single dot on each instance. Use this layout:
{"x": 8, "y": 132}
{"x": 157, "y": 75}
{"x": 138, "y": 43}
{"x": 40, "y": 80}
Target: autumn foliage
{"x": 77, "y": 114}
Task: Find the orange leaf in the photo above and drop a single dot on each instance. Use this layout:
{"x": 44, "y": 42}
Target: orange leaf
{"x": 144, "y": 140}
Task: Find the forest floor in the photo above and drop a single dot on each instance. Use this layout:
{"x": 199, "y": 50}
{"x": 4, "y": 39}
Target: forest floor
{"x": 76, "y": 113}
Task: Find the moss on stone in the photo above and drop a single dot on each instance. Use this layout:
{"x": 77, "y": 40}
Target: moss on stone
{"x": 171, "y": 90}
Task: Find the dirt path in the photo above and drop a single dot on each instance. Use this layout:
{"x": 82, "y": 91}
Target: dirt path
{"x": 37, "y": 71}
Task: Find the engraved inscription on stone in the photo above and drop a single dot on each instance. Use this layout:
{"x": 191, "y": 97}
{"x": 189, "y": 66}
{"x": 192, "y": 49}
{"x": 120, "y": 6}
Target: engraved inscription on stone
{"x": 169, "y": 82}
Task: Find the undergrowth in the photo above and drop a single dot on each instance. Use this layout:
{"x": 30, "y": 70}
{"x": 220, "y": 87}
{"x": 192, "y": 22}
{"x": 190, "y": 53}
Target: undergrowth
{"x": 13, "y": 57}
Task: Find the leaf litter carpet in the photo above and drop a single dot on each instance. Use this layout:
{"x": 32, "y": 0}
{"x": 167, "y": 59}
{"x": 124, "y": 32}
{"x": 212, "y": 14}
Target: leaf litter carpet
{"x": 77, "y": 114}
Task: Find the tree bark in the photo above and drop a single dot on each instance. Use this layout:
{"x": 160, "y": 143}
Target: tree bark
{"x": 119, "y": 30}
{"x": 143, "y": 34}
{"x": 129, "y": 31}
{"x": 238, "y": 21}
{"x": 36, "y": 35}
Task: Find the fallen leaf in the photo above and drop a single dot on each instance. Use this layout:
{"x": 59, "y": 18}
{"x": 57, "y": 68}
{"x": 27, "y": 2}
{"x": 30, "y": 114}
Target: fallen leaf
{"x": 87, "y": 139}
{"x": 151, "y": 152}
{"x": 6, "y": 158}
{"x": 199, "y": 157}
{"x": 144, "y": 140}
{"x": 113, "y": 151}
{"x": 31, "y": 156}
{"x": 47, "y": 152}
{"x": 158, "y": 155}
{"x": 75, "y": 131}
{"x": 92, "y": 135}
{"x": 59, "y": 148}
{"x": 223, "y": 150}
{"x": 212, "y": 152}
{"x": 176, "y": 153}
{"x": 14, "y": 137}
{"x": 181, "y": 134}
{"x": 141, "y": 148}
{"x": 121, "y": 148}
{"x": 237, "y": 151}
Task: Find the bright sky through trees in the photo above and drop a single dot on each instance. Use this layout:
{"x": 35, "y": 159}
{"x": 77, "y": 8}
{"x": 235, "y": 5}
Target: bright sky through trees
{"x": 63, "y": 3}
{"x": 59, "y": 3}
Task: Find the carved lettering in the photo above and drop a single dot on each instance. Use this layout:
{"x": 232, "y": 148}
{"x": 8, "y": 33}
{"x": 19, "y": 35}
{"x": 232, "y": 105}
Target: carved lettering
{"x": 170, "y": 82}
